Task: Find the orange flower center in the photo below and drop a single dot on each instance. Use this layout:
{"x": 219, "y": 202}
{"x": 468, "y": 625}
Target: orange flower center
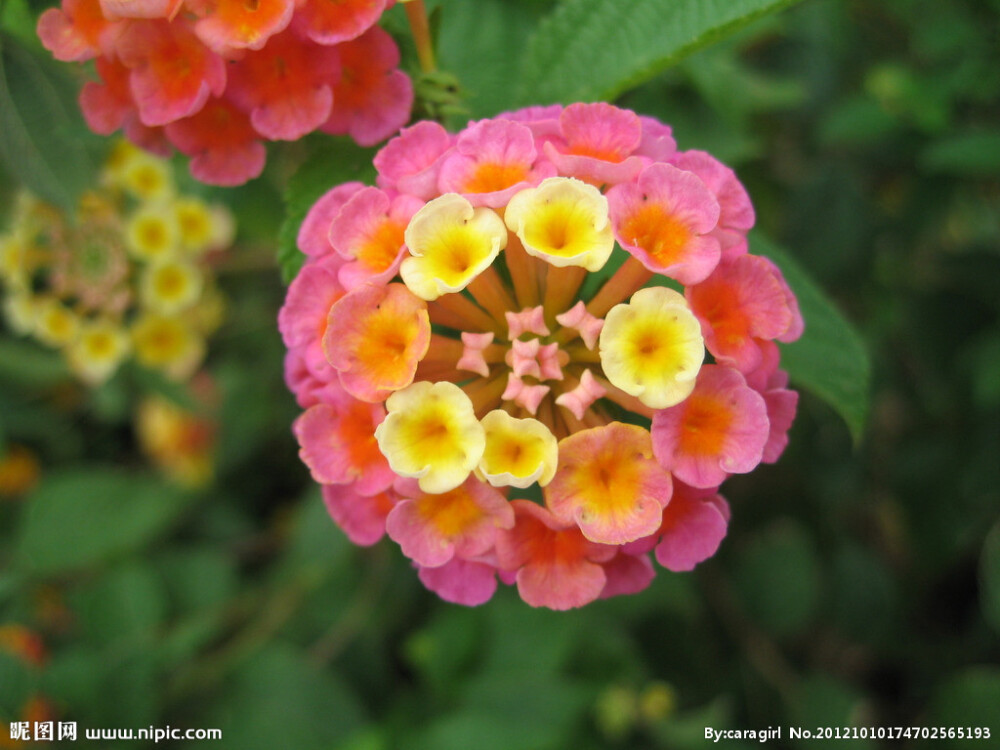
{"x": 706, "y": 422}
{"x": 490, "y": 177}
{"x": 660, "y": 234}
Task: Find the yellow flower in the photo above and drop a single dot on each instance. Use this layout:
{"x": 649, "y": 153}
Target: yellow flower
{"x": 519, "y": 452}
{"x": 652, "y": 348}
{"x": 152, "y": 233}
{"x": 431, "y": 433}
{"x": 19, "y": 311}
{"x": 54, "y": 324}
{"x": 167, "y": 344}
{"x": 563, "y": 221}
{"x": 201, "y": 226}
{"x": 450, "y": 243}
{"x": 13, "y": 261}
{"x": 169, "y": 286}
{"x": 98, "y": 350}
{"x": 144, "y": 175}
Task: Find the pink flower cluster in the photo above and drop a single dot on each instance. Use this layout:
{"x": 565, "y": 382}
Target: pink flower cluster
{"x": 448, "y": 361}
{"x": 216, "y": 78}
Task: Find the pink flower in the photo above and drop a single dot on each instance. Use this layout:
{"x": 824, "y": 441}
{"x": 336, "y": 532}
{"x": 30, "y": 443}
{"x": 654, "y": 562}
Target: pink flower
{"x": 798, "y": 324}
{"x": 743, "y": 301}
{"x": 781, "y": 402}
{"x": 736, "y": 210}
{"x": 375, "y": 337}
{"x": 78, "y": 31}
{"x": 373, "y": 97}
{"x": 304, "y": 317}
{"x": 339, "y": 447}
{"x": 329, "y": 23}
{"x": 543, "y": 122}
{"x": 230, "y": 25}
{"x": 608, "y": 484}
{"x": 492, "y": 160}
{"x": 173, "y": 73}
{"x": 627, "y": 574}
{"x": 657, "y": 142}
{"x": 410, "y": 162}
{"x": 720, "y": 429}
{"x": 556, "y": 566}
{"x": 459, "y": 581}
{"x": 314, "y": 234}
{"x": 548, "y": 113}
{"x": 306, "y": 387}
{"x": 463, "y": 523}
{"x": 598, "y": 143}
{"x": 107, "y": 105}
{"x": 736, "y": 215}
{"x": 664, "y": 219}
{"x": 114, "y": 9}
{"x": 223, "y": 146}
{"x": 368, "y": 233}
{"x": 694, "y": 525}
{"x": 362, "y": 517}
{"x": 265, "y": 70}
{"x": 286, "y": 87}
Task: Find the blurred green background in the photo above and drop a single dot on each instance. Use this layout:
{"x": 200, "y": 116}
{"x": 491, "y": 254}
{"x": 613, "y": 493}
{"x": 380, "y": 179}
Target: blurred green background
{"x": 860, "y": 580}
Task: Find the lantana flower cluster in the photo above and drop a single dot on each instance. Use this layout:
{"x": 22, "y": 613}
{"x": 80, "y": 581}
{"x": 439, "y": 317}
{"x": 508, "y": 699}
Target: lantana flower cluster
{"x": 534, "y": 351}
{"x": 129, "y": 275}
{"x": 216, "y": 78}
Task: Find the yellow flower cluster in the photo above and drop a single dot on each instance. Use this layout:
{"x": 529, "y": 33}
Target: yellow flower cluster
{"x": 127, "y": 276}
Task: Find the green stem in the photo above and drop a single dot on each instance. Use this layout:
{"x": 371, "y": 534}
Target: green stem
{"x": 417, "y": 15}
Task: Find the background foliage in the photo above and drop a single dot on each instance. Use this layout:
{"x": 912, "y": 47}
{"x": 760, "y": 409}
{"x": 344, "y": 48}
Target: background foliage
{"x": 860, "y": 582}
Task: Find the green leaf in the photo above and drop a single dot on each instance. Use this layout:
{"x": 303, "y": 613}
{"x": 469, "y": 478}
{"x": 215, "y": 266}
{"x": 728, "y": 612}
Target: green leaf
{"x": 590, "y": 50}
{"x": 26, "y": 363}
{"x": 280, "y": 699}
{"x": 106, "y": 686}
{"x": 856, "y": 121}
{"x": 341, "y": 161}
{"x": 468, "y": 729}
{"x": 989, "y": 578}
{"x": 967, "y": 699}
{"x": 864, "y": 597}
{"x": 964, "y": 155}
{"x": 73, "y": 677}
{"x": 444, "y": 649}
{"x": 127, "y": 602}
{"x": 686, "y": 730}
{"x": 485, "y": 30}
{"x": 151, "y": 382}
{"x": 198, "y": 577}
{"x": 87, "y": 516}
{"x": 42, "y": 135}
{"x": 821, "y": 701}
{"x": 315, "y": 539}
{"x": 16, "y": 684}
{"x": 778, "y": 576}
{"x": 508, "y": 712}
{"x": 17, "y": 19}
{"x": 245, "y": 414}
{"x": 830, "y": 360}
{"x": 528, "y": 641}
{"x": 735, "y": 90}
{"x": 539, "y": 710}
